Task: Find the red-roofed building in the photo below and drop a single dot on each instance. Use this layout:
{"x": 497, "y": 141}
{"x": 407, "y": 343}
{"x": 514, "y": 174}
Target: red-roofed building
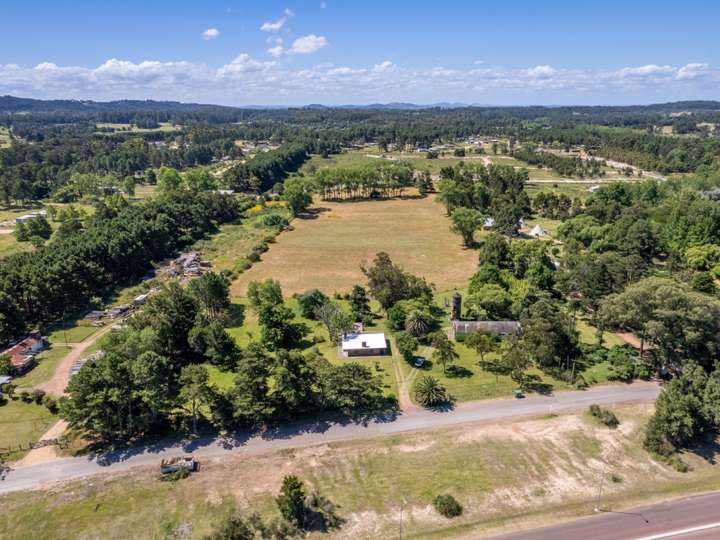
{"x": 22, "y": 354}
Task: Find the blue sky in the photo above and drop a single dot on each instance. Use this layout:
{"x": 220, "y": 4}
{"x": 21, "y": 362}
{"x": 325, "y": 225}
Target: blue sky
{"x": 267, "y": 52}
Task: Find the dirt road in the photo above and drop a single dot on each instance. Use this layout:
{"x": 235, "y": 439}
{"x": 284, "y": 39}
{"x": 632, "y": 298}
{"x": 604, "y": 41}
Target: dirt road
{"x": 324, "y": 431}
{"x": 60, "y": 379}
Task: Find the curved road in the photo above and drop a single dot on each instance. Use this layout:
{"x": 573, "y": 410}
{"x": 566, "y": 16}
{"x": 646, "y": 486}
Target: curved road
{"x": 324, "y": 431}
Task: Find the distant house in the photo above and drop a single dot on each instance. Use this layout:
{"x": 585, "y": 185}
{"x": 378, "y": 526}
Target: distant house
{"x": 489, "y": 223}
{"x": 460, "y": 329}
{"x": 22, "y": 354}
{"x": 364, "y": 344}
{"x": 593, "y": 189}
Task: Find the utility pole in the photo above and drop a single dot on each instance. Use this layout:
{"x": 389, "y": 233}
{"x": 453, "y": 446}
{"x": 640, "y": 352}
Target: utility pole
{"x": 402, "y": 504}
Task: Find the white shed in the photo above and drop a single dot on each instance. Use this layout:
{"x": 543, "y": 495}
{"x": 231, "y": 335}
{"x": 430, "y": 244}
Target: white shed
{"x": 364, "y": 344}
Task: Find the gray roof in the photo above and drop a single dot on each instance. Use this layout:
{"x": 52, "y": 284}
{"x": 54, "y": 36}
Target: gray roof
{"x": 494, "y": 327}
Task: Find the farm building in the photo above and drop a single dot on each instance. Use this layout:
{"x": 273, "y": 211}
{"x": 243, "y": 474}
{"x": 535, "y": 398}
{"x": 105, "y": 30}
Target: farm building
{"x": 22, "y": 354}
{"x": 460, "y": 329}
{"x": 364, "y": 344}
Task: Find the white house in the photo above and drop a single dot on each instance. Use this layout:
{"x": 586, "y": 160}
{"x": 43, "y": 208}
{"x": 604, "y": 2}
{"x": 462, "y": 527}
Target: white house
{"x": 489, "y": 223}
{"x": 364, "y": 344}
{"x": 538, "y": 232}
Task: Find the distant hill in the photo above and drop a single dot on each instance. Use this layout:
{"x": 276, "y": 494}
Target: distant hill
{"x": 12, "y": 104}
{"x": 16, "y": 104}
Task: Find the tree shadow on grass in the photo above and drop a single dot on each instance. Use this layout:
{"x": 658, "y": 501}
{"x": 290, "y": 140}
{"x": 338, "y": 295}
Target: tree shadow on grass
{"x": 313, "y": 213}
{"x": 235, "y": 315}
{"x": 708, "y": 449}
{"x": 539, "y": 387}
{"x": 458, "y": 372}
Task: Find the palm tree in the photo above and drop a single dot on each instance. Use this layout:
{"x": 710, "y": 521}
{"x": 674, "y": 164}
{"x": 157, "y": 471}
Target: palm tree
{"x": 417, "y": 323}
{"x": 430, "y": 393}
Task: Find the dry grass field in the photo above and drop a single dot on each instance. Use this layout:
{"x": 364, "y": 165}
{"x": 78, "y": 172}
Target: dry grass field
{"x": 528, "y": 473}
{"x": 326, "y": 252}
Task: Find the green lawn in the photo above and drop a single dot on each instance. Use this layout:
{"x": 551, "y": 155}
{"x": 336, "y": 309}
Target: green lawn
{"x": 72, "y": 332}
{"x": 48, "y": 361}
{"x": 384, "y": 366}
{"x": 21, "y": 424}
{"x": 4, "y": 137}
{"x": 234, "y": 242}
{"x": 164, "y": 126}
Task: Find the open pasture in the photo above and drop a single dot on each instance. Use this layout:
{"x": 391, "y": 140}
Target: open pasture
{"x": 327, "y": 250}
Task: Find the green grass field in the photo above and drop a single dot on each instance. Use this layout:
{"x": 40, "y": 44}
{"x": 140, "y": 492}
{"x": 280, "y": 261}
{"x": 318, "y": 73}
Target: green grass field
{"x": 164, "y": 126}
{"x": 21, "y": 424}
{"x": 71, "y": 332}
{"x": 4, "y": 137}
{"x": 234, "y": 242}
{"x": 48, "y": 361}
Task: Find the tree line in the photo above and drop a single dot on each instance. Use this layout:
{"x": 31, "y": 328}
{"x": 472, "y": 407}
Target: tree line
{"x": 62, "y": 277}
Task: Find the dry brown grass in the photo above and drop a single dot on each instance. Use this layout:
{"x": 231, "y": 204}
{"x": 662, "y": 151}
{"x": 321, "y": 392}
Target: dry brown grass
{"x": 328, "y": 251}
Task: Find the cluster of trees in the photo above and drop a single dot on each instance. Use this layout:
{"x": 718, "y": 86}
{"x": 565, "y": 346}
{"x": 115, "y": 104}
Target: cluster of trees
{"x": 62, "y": 277}
{"x": 68, "y": 166}
{"x": 382, "y": 179}
{"x": 687, "y": 408}
{"x": 511, "y": 275}
{"x": 300, "y": 513}
{"x": 152, "y": 374}
{"x": 570, "y": 166}
{"x": 555, "y": 205}
{"x": 643, "y": 149}
{"x": 266, "y": 169}
{"x": 472, "y": 193}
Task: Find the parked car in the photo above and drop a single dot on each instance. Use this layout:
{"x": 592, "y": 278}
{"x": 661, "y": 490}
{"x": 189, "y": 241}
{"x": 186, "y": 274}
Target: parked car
{"x": 175, "y": 464}
{"x": 419, "y": 362}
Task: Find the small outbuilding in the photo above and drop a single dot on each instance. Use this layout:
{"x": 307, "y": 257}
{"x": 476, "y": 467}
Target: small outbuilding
{"x": 460, "y": 329}
{"x": 364, "y": 344}
{"x": 538, "y": 232}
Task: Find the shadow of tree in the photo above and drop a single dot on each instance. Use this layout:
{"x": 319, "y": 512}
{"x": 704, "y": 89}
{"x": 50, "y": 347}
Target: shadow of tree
{"x": 458, "y": 372}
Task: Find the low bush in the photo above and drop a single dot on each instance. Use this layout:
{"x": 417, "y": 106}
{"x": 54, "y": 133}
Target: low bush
{"x": 50, "y": 404}
{"x": 174, "y": 477}
{"x": 606, "y": 416}
{"x": 447, "y": 506}
{"x": 38, "y": 396}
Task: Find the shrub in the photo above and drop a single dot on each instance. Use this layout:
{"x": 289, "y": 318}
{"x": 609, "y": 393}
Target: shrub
{"x": 25, "y": 396}
{"x": 174, "y": 477}
{"x": 447, "y": 506}
{"x": 606, "y": 416}
{"x": 50, "y": 404}
{"x": 430, "y": 393}
{"x": 274, "y": 220}
{"x": 616, "y": 478}
{"x": 38, "y": 395}
{"x": 310, "y": 301}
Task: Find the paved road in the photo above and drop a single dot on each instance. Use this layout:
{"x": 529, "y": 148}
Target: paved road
{"x": 683, "y": 519}
{"x": 319, "y": 432}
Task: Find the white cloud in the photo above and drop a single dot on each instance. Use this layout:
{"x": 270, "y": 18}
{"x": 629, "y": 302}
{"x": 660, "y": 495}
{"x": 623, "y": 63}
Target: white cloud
{"x": 541, "y": 71}
{"x": 647, "y": 70}
{"x": 383, "y": 66}
{"x": 242, "y": 64}
{"x": 210, "y": 33}
{"x": 275, "y": 26}
{"x": 692, "y": 71}
{"x": 247, "y": 80}
{"x": 308, "y": 44}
